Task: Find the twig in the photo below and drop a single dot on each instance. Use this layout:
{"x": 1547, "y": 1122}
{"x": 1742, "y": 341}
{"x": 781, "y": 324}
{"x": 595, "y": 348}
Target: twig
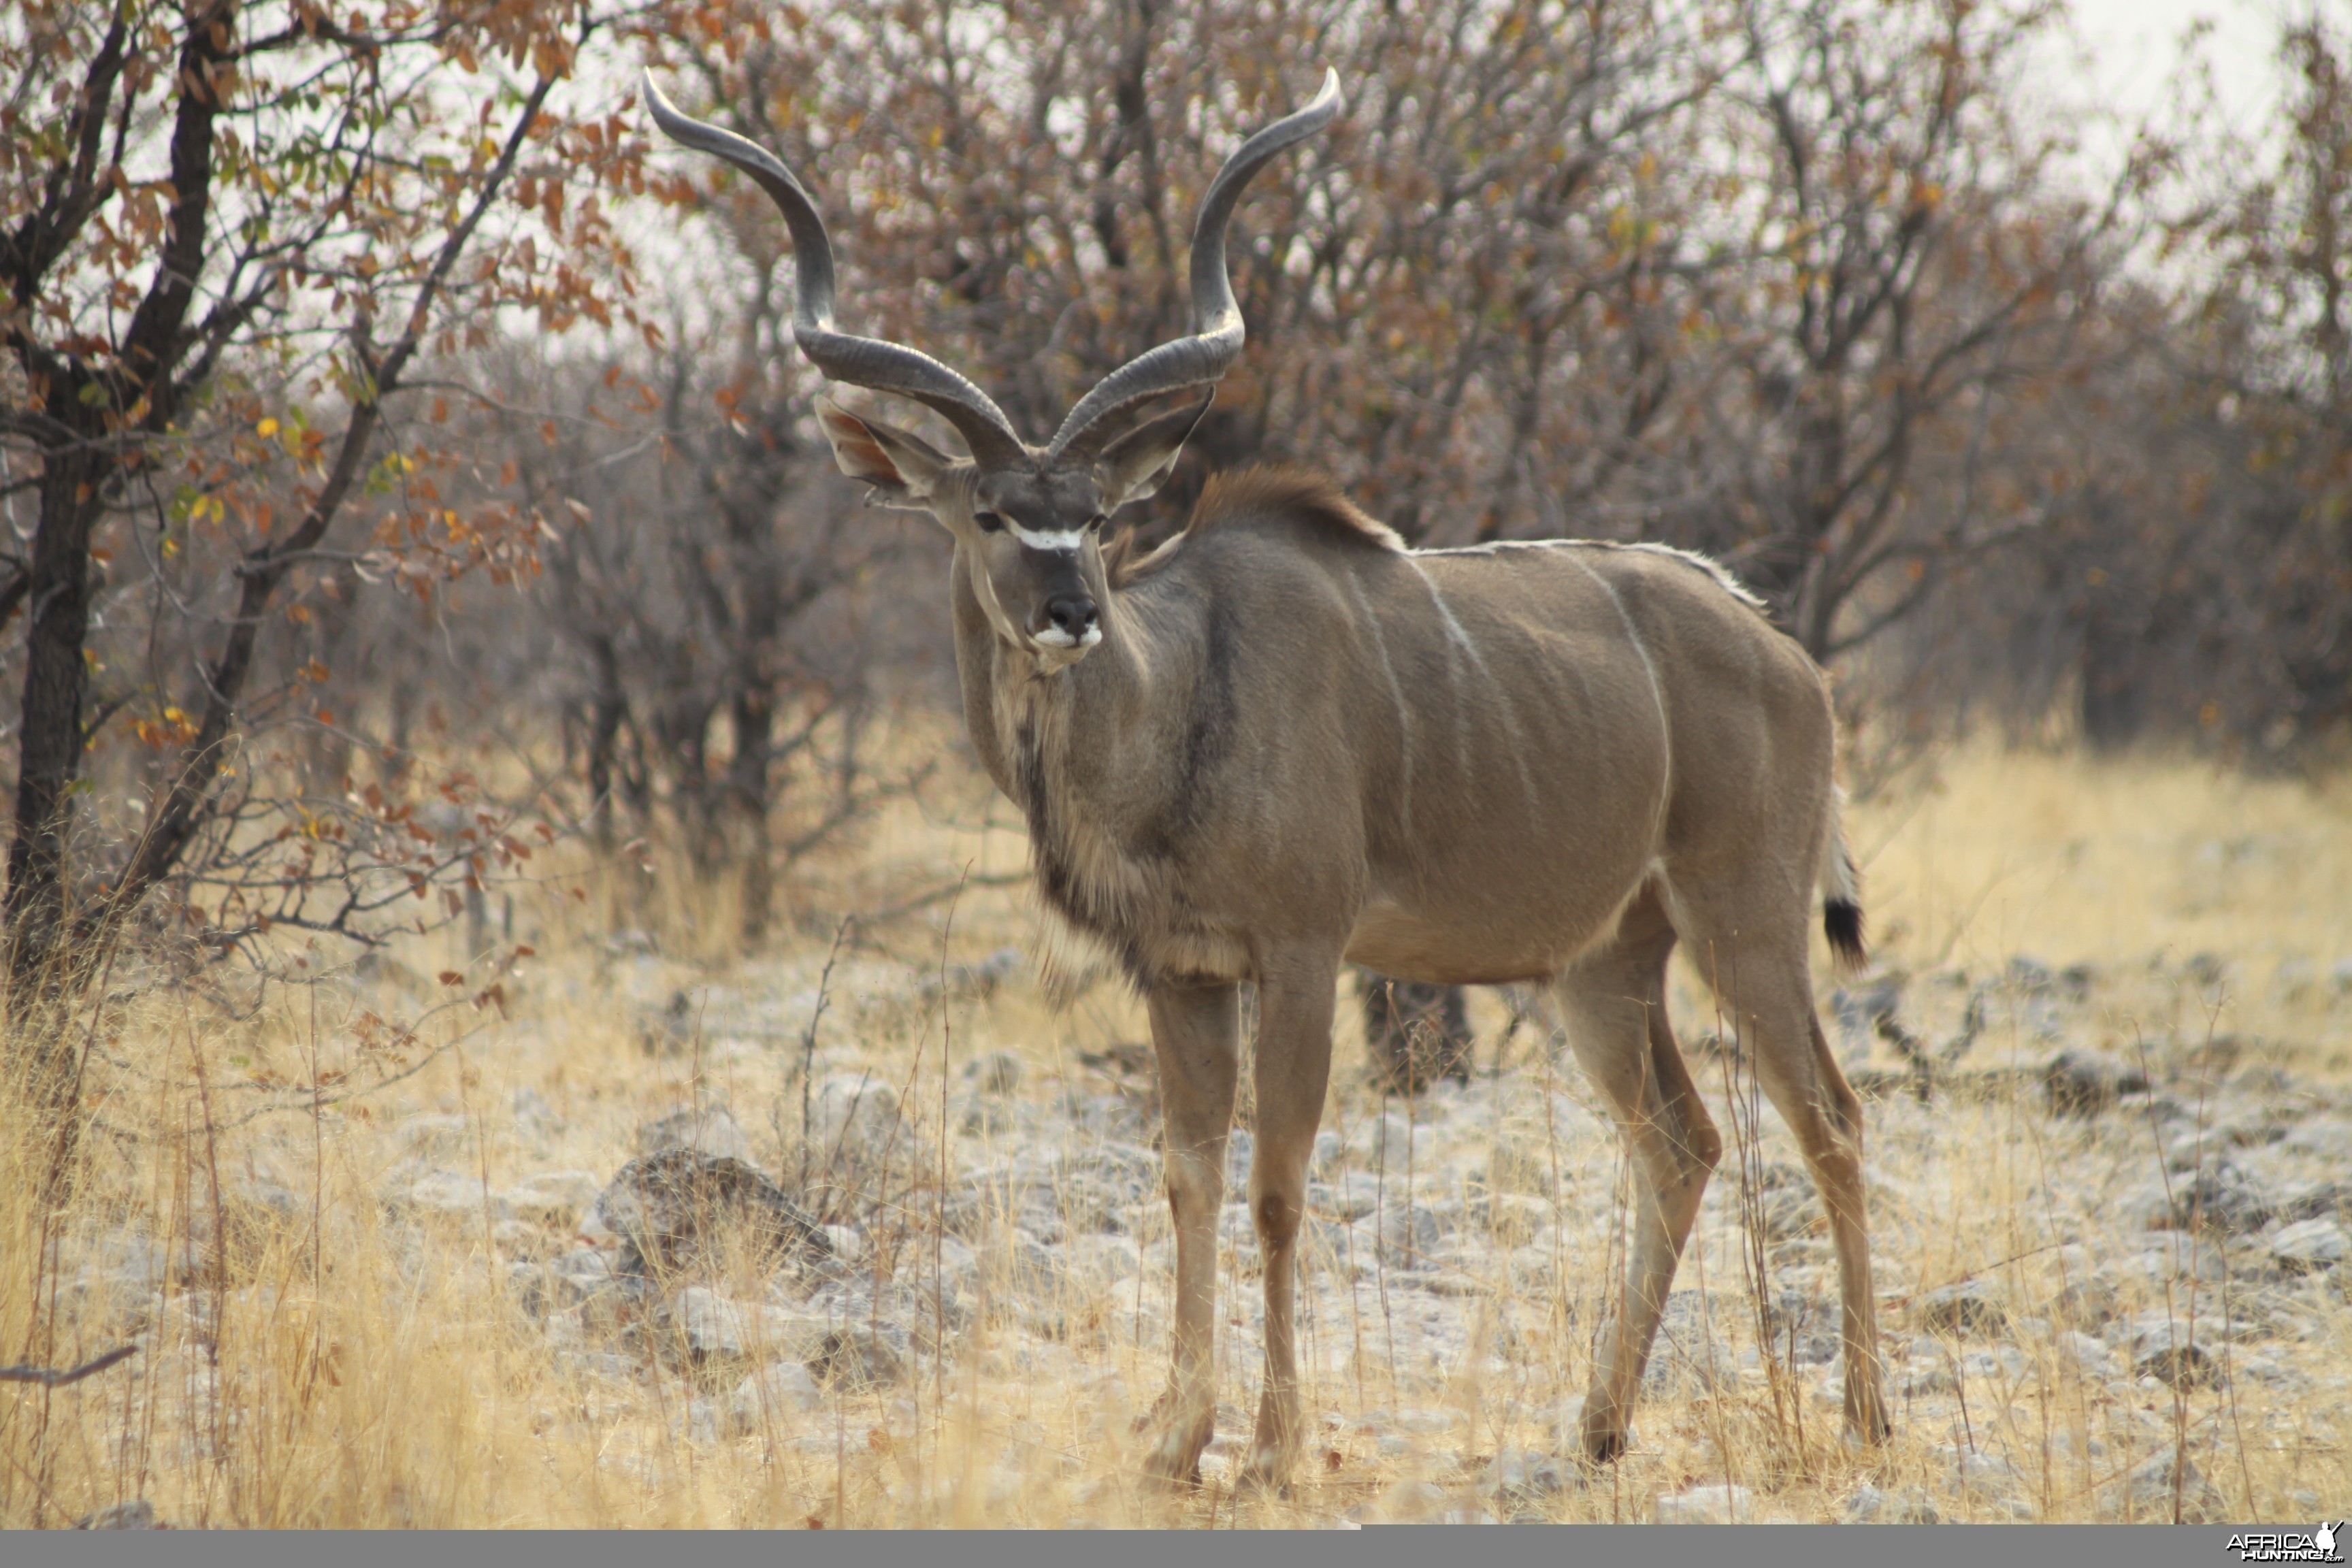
{"x": 1906, "y": 1297}
{"x": 434, "y": 1054}
{"x": 48, "y": 1378}
{"x": 808, "y": 1041}
{"x": 942, "y": 893}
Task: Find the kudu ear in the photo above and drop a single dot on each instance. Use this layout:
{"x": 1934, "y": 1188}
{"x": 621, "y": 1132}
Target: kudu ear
{"x": 1139, "y": 462}
{"x": 903, "y": 468}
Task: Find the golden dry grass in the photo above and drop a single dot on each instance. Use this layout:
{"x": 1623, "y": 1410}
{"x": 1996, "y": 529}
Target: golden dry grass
{"x": 321, "y": 1346}
{"x": 2122, "y": 863}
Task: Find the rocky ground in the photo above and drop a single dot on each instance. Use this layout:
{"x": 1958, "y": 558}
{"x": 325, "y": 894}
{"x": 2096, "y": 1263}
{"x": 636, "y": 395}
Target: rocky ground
{"x": 2110, "y": 1261}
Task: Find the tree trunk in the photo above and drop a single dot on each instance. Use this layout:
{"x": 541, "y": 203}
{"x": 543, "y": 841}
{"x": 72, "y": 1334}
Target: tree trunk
{"x": 607, "y": 709}
{"x": 1414, "y": 1033}
{"x": 747, "y": 796}
{"x": 42, "y": 959}
{"x": 2114, "y": 698}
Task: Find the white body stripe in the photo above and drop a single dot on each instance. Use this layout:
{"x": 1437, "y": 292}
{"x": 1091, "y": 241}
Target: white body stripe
{"x": 1396, "y": 695}
{"x": 1706, "y": 563}
{"x": 1657, "y": 692}
{"x": 1457, "y": 634}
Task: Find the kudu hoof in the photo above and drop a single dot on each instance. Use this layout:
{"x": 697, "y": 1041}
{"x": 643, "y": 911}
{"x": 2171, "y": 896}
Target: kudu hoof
{"x": 1173, "y": 1460}
{"x": 1868, "y": 1434}
{"x": 1267, "y": 1474}
{"x": 1605, "y": 1447}
{"x": 1263, "y": 1484}
{"x": 1172, "y": 1472}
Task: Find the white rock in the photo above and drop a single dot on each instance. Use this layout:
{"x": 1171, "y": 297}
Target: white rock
{"x": 1325, "y": 1161}
{"x": 125, "y": 1301}
{"x": 1102, "y": 1260}
{"x": 2174, "y": 1255}
{"x": 1972, "y": 1306}
{"x": 435, "y": 1137}
{"x": 1354, "y": 1196}
{"x": 2001, "y": 1361}
{"x": 585, "y": 1270}
{"x": 2149, "y": 1492}
{"x": 1709, "y": 1505}
{"x": 2063, "y": 1442}
{"x": 2174, "y": 1349}
{"x": 1567, "y": 1425}
{"x": 553, "y": 1198}
{"x": 1572, "y": 1123}
{"x": 1393, "y": 1141}
{"x": 2195, "y": 1146}
{"x": 955, "y": 1257}
{"x": 772, "y": 1395}
{"x": 1925, "y": 1380}
{"x": 1991, "y": 1480}
{"x": 1241, "y": 1149}
{"x": 998, "y": 1072}
{"x": 715, "y": 1327}
{"x": 2088, "y": 1355}
{"x": 2330, "y": 1139}
{"x": 2273, "y": 1373}
{"x": 516, "y": 1238}
{"x": 534, "y": 1113}
{"x": 2311, "y": 1247}
{"x": 1411, "y": 1234}
{"x": 446, "y": 1194}
{"x": 598, "y": 1366}
{"x": 709, "y": 1130}
{"x": 700, "y": 1422}
{"x": 857, "y": 1121}
{"x": 1870, "y": 1505}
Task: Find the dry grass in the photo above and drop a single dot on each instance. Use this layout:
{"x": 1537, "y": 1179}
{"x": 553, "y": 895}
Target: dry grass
{"x": 338, "y": 1305}
{"x": 2122, "y": 864}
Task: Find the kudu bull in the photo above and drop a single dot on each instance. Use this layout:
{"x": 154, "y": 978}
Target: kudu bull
{"x": 1283, "y": 741}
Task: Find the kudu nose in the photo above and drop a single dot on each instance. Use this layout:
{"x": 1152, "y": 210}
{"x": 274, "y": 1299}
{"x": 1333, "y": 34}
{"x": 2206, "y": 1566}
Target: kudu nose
{"x": 1072, "y": 613}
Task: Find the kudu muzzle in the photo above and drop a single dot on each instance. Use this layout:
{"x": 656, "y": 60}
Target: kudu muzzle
{"x": 1069, "y": 617}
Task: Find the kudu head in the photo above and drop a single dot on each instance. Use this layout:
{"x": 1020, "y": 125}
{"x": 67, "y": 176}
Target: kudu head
{"x": 1028, "y": 520}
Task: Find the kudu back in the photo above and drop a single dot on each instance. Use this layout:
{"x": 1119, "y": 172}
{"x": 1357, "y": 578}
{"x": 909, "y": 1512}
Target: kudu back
{"x": 1283, "y": 743}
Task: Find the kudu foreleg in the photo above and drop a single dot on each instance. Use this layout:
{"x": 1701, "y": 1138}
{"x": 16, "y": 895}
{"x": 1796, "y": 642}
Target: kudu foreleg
{"x": 1293, "y": 1070}
{"x": 1196, "y": 1035}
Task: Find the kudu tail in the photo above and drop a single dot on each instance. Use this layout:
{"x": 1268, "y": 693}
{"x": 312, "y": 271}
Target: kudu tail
{"x": 1841, "y": 887}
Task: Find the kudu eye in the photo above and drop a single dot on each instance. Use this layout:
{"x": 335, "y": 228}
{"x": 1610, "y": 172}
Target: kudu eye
{"x": 990, "y": 523}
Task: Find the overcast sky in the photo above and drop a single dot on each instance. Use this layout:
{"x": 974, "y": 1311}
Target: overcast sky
{"x": 2135, "y": 45}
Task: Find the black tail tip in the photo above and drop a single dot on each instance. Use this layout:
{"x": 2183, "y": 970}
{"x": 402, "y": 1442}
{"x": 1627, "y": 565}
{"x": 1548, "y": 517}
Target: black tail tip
{"x": 1841, "y": 923}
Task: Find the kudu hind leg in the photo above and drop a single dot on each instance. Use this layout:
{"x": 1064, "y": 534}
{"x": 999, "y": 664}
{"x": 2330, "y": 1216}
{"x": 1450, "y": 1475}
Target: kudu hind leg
{"x": 1293, "y": 1070}
{"x": 1196, "y": 1036}
{"x": 1774, "y": 1007}
{"x": 1615, "y": 1007}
